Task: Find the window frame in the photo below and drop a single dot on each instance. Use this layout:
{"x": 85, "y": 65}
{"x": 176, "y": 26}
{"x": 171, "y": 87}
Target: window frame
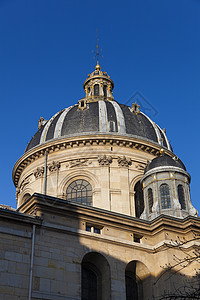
{"x": 80, "y": 191}
{"x": 150, "y": 199}
{"x": 165, "y": 199}
{"x": 181, "y": 201}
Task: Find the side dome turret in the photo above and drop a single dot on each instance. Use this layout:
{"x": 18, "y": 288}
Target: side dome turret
{"x": 165, "y": 161}
{"x": 166, "y": 188}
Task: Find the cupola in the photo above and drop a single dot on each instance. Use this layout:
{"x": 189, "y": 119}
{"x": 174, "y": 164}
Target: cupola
{"x": 98, "y": 86}
{"x": 166, "y": 188}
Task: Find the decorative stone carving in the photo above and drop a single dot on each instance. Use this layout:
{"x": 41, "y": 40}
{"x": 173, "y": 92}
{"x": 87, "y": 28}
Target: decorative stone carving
{"x": 135, "y": 108}
{"x": 39, "y": 172}
{"x": 17, "y": 193}
{"x": 41, "y": 122}
{"x": 78, "y": 163}
{"x": 24, "y": 183}
{"x": 104, "y": 160}
{"x": 54, "y": 166}
{"x": 124, "y": 162}
{"x": 140, "y": 167}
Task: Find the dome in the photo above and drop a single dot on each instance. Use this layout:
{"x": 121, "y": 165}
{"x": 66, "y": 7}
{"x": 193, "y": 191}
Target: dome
{"x": 99, "y": 117}
{"x": 98, "y": 74}
{"x": 165, "y": 161}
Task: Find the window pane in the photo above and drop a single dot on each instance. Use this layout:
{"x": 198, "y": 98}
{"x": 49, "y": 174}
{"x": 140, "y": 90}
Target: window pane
{"x": 96, "y": 90}
{"x": 89, "y": 284}
{"x": 150, "y": 199}
{"x": 80, "y": 191}
{"x": 165, "y": 197}
{"x": 139, "y": 201}
{"x": 88, "y": 228}
{"x": 181, "y": 196}
{"x": 105, "y": 90}
{"x": 97, "y": 230}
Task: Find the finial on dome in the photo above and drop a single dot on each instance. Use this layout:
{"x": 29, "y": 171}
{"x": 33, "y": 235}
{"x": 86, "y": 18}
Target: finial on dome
{"x": 98, "y": 67}
{"x": 162, "y": 151}
{"x": 41, "y": 122}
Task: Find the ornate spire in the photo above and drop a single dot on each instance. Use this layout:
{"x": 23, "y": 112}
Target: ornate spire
{"x": 98, "y": 85}
{"x": 97, "y": 54}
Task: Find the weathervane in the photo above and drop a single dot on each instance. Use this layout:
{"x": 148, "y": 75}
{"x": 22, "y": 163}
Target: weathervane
{"x": 97, "y": 54}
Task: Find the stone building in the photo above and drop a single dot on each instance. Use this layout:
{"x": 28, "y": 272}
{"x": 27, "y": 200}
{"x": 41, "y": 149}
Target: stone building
{"x": 100, "y": 196}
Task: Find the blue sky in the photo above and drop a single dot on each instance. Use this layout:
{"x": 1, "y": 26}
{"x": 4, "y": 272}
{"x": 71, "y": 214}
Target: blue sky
{"x": 149, "y": 47}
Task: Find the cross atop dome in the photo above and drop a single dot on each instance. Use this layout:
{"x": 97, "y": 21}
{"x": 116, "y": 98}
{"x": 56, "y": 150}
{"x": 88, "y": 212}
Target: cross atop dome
{"x": 98, "y": 67}
{"x": 98, "y": 85}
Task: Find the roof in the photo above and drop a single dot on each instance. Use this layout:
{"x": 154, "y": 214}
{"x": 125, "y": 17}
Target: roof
{"x": 165, "y": 161}
{"x": 99, "y": 117}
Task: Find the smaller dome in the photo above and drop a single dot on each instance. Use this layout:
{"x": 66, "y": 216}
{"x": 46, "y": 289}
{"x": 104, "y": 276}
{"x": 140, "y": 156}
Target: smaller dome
{"x": 98, "y": 74}
{"x": 165, "y": 161}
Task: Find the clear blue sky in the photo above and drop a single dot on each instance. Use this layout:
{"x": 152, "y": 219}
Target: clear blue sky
{"x": 151, "y": 47}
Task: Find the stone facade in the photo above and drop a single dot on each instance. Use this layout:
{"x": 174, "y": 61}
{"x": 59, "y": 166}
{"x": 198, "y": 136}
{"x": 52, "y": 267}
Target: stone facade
{"x": 61, "y": 242}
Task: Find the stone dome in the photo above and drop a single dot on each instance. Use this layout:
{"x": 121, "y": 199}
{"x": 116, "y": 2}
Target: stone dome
{"x": 165, "y": 161}
{"x": 99, "y": 118}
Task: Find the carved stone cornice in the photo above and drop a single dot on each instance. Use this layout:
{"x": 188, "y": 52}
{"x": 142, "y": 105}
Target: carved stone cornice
{"x": 104, "y": 160}
{"x": 124, "y": 162}
{"x": 54, "y": 166}
{"x": 39, "y": 172}
{"x": 67, "y": 143}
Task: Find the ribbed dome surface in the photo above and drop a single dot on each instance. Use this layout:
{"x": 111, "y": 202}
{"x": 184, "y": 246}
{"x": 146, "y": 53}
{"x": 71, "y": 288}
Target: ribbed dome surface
{"x": 164, "y": 161}
{"x": 100, "y": 117}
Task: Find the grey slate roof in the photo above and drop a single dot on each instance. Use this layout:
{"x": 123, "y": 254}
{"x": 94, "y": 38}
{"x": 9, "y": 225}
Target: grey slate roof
{"x": 165, "y": 161}
{"x": 101, "y": 117}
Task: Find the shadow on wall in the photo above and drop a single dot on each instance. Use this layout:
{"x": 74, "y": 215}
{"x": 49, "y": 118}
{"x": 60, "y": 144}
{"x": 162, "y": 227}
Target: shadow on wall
{"x": 71, "y": 263}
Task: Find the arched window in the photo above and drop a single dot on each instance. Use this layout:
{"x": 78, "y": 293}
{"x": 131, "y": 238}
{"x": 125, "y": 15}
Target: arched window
{"x": 150, "y": 199}
{"x": 139, "y": 200}
{"x": 165, "y": 197}
{"x": 90, "y": 278}
{"x": 96, "y": 90}
{"x": 105, "y": 90}
{"x": 95, "y": 277}
{"x": 131, "y": 286}
{"x": 80, "y": 191}
{"x": 137, "y": 279}
{"x": 181, "y": 196}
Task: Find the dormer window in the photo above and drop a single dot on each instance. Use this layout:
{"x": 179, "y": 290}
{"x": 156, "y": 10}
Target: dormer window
{"x": 112, "y": 126}
{"x": 96, "y": 90}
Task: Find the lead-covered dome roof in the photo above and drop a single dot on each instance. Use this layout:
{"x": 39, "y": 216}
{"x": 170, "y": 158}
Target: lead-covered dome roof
{"x": 99, "y": 117}
{"x": 165, "y": 161}
{"x": 99, "y": 114}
